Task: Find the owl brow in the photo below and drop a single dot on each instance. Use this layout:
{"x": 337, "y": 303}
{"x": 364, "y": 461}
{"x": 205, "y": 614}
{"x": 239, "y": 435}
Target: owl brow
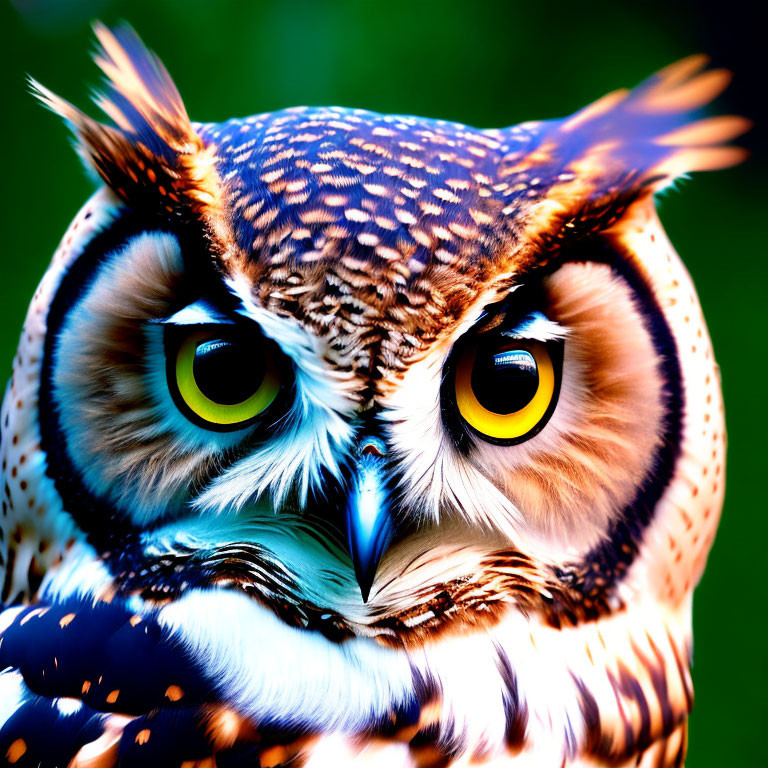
{"x": 536, "y": 326}
{"x": 200, "y": 312}
{"x": 518, "y": 316}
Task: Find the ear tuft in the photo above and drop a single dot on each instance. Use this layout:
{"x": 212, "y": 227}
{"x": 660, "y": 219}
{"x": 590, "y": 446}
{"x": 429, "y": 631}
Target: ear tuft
{"x": 588, "y": 168}
{"x": 151, "y": 156}
{"x": 642, "y": 139}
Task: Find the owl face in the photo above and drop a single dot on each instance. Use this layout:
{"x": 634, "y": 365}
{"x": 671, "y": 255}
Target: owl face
{"x": 388, "y": 376}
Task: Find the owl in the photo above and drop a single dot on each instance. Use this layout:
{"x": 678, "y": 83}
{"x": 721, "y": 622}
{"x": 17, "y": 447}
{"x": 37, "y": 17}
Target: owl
{"x": 337, "y": 438}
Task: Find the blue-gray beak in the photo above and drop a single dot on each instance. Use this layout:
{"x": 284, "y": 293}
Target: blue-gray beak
{"x": 369, "y": 520}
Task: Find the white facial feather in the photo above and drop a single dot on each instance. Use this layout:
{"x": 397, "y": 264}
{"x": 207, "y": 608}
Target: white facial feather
{"x": 81, "y": 575}
{"x": 200, "y": 312}
{"x": 13, "y": 692}
{"x": 272, "y": 672}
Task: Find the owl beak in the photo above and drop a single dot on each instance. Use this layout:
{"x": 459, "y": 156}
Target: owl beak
{"x": 369, "y": 520}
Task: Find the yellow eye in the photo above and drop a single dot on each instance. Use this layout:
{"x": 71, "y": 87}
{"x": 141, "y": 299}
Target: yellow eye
{"x": 224, "y": 379}
{"x": 507, "y": 389}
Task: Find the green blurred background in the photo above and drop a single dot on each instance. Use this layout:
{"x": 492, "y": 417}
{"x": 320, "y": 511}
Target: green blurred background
{"x": 486, "y": 64}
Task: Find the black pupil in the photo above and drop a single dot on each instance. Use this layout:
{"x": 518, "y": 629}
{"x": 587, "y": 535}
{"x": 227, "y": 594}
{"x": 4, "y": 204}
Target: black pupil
{"x": 228, "y": 371}
{"x": 504, "y": 380}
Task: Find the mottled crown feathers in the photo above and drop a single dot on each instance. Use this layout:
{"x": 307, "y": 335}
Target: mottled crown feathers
{"x": 544, "y": 181}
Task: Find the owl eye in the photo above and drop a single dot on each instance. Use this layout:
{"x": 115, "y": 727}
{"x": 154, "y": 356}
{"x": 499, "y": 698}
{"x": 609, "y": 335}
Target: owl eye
{"x": 222, "y": 378}
{"x": 506, "y": 389}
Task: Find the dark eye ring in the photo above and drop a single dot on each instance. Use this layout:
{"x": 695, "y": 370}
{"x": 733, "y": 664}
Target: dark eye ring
{"x": 506, "y": 389}
{"x": 221, "y": 377}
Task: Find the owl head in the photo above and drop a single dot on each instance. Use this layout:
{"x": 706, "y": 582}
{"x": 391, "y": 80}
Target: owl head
{"x": 391, "y": 376}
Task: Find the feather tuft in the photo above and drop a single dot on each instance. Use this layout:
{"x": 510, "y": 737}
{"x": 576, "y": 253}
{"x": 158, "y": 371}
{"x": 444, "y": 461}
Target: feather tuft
{"x": 150, "y": 155}
{"x": 588, "y": 168}
{"x": 630, "y": 141}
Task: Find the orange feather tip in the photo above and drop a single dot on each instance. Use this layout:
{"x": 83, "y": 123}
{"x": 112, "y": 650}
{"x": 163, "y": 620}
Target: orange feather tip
{"x": 692, "y": 160}
{"x": 699, "y": 143}
{"x": 683, "y": 87}
{"x": 137, "y": 75}
{"x": 706, "y": 132}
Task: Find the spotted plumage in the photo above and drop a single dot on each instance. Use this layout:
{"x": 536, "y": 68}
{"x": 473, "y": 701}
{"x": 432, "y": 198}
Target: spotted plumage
{"x": 338, "y": 438}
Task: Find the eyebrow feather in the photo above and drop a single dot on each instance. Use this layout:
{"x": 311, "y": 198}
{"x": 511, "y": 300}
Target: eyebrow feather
{"x": 537, "y": 327}
{"x": 200, "y": 312}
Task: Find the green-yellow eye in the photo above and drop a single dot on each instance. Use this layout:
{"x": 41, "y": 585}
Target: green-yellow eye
{"x": 224, "y": 379}
{"x": 506, "y": 389}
